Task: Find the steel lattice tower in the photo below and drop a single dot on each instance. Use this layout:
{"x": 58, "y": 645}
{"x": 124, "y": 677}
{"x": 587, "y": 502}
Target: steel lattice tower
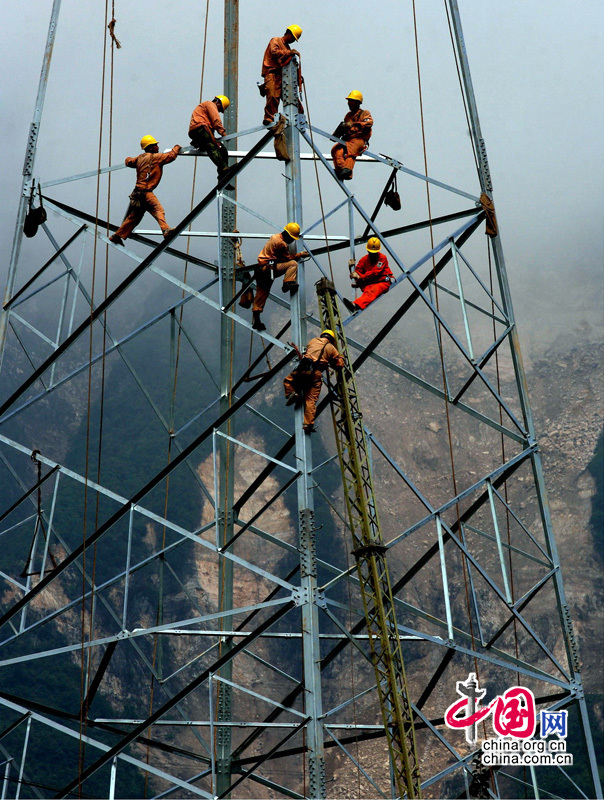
{"x": 195, "y": 611}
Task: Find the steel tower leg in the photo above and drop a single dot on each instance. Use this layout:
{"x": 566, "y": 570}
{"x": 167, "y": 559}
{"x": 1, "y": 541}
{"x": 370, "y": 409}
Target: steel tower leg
{"x": 308, "y": 565}
{"x": 226, "y": 451}
{"x": 537, "y": 468}
{"x": 28, "y": 171}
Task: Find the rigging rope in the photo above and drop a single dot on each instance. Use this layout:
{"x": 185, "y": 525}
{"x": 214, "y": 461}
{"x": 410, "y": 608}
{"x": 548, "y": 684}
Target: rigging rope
{"x": 441, "y": 352}
{"x": 85, "y": 673}
{"x": 317, "y": 173}
{"x": 171, "y": 426}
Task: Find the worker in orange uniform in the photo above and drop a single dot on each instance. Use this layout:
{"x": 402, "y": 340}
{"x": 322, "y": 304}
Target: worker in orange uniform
{"x": 355, "y": 130}
{"x": 149, "y": 168}
{"x": 371, "y": 274}
{"x": 303, "y": 385}
{"x": 276, "y": 56}
{"x": 204, "y": 122}
{"x": 276, "y": 259}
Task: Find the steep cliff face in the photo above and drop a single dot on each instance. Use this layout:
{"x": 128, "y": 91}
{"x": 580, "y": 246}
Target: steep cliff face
{"x": 567, "y": 396}
{"x": 567, "y": 390}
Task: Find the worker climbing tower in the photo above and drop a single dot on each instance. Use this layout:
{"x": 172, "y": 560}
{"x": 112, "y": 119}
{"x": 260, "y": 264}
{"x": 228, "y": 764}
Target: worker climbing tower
{"x": 200, "y": 599}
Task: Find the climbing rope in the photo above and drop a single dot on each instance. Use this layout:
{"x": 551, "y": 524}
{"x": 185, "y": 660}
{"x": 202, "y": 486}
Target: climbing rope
{"x": 317, "y": 174}
{"x": 85, "y": 672}
{"x": 440, "y": 347}
{"x": 171, "y": 426}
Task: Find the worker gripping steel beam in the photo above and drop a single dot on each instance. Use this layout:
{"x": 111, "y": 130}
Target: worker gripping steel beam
{"x": 149, "y": 167}
{"x": 370, "y": 553}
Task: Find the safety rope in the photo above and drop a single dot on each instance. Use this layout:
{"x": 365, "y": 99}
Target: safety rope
{"x": 159, "y": 611}
{"x": 497, "y": 369}
{"x": 85, "y": 674}
{"x": 316, "y": 172}
{"x": 441, "y": 352}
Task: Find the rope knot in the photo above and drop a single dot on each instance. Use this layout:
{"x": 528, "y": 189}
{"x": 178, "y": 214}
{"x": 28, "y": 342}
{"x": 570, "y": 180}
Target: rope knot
{"x": 114, "y": 38}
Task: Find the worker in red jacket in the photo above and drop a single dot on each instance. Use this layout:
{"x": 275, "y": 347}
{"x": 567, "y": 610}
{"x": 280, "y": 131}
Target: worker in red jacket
{"x": 204, "y": 121}
{"x": 275, "y": 259}
{"x": 149, "y": 168}
{"x": 276, "y": 56}
{"x": 355, "y": 130}
{"x": 371, "y": 274}
{"x": 303, "y": 384}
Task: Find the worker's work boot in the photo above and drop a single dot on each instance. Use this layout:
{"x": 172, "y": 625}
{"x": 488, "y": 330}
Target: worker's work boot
{"x": 308, "y": 429}
{"x": 222, "y": 174}
{"x": 343, "y": 173}
{"x": 293, "y": 398}
{"x": 167, "y": 232}
{"x": 257, "y": 323}
{"x": 350, "y": 305}
{"x": 289, "y": 286}
{"x": 116, "y": 239}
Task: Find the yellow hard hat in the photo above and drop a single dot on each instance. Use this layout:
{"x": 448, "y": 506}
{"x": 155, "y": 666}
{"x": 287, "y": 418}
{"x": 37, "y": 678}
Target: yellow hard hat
{"x": 373, "y": 245}
{"x": 293, "y": 229}
{"x": 224, "y": 100}
{"x": 327, "y": 332}
{"x": 147, "y": 140}
{"x": 295, "y": 30}
{"x": 355, "y": 95}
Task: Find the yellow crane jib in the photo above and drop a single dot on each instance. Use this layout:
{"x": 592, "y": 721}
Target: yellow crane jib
{"x": 370, "y": 553}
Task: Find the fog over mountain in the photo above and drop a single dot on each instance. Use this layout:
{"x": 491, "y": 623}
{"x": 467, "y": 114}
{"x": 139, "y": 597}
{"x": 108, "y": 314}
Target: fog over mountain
{"x": 538, "y": 80}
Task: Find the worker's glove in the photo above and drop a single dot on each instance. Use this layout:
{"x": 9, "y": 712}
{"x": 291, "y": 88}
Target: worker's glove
{"x": 354, "y": 275}
{"x": 302, "y": 254}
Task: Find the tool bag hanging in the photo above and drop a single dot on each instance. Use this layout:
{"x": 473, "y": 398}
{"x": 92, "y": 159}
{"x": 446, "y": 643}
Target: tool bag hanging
{"x": 247, "y": 298}
{"x": 392, "y": 197}
{"x": 35, "y": 216}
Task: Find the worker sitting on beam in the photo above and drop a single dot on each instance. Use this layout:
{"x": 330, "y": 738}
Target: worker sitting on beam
{"x": 204, "y": 121}
{"x": 355, "y": 130}
{"x": 371, "y": 274}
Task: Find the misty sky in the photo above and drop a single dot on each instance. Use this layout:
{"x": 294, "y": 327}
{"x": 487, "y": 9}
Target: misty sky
{"x": 538, "y": 75}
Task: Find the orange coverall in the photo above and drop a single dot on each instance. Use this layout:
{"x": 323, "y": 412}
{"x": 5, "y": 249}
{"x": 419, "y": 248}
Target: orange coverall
{"x": 204, "y": 121}
{"x": 374, "y": 279}
{"x": 356, "y": 138}
{"x": 276, "y": 56}
{"x": 275, "y": 249}
{"x": 325, "y": 355}
{"x": 149, "y": 168}
{"x": 206, "y": 115}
